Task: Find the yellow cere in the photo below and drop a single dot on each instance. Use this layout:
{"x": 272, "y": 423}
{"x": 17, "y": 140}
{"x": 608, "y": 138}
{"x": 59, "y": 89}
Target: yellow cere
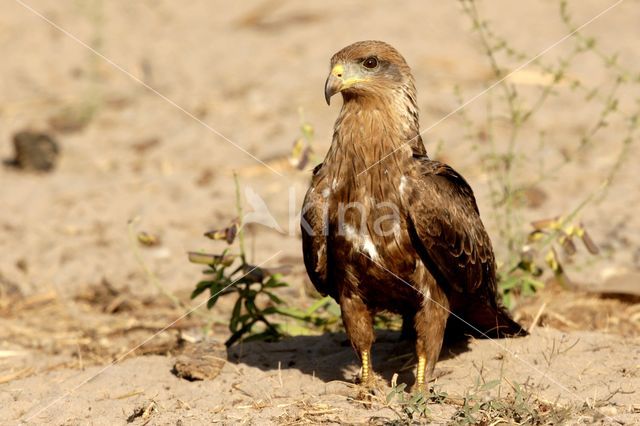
{"x": 346, "y": 81}
{"x": 338, "y": 70}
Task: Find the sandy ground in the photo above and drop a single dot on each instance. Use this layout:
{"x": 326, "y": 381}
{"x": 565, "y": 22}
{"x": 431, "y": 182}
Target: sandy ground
{"x": 185, "y": 95}
{"x": 308, "y": 380}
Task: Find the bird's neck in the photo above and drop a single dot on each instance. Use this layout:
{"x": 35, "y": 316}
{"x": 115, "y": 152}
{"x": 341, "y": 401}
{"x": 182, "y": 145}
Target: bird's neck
{"x": 374, "y": 129}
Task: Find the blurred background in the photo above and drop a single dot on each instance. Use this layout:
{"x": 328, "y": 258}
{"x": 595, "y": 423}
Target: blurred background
{"x": 122, "y": 123}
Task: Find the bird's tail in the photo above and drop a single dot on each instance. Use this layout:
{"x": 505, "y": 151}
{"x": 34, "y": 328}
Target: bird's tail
{"x": 489, "y": 320}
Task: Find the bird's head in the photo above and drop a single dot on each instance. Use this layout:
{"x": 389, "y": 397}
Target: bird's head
{"x": 368, "y": 69}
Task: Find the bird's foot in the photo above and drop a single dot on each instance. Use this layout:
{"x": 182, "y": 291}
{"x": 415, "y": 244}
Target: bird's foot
{"x": 368, "y": 390}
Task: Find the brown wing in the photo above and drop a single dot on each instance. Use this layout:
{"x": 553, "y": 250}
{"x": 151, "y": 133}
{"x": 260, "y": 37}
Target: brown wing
{"x": 447, "y": 225}
{"x": 452, "y": 241}
{"x": 314, "y": 238}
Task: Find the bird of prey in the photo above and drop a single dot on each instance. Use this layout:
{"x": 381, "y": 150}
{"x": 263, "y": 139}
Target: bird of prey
{"x": 385, "y": 228}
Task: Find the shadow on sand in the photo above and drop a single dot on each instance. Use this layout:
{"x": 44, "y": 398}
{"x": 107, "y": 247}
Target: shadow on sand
{"x": 330, "y": 356}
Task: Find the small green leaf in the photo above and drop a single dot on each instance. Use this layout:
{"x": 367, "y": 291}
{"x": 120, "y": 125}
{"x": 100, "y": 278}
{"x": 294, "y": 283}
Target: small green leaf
{"x": 292, "y": 312}
{"x": 270, "y": 310}
{"x": 200, "y": 287}
{"x": 490, "y": 385}
{"x": 390, "y": 396}
{"x": 251, "y": 306}
{"x": 318, "y": 304}
{"x": 212, "y": 301}
{"x": 275, "y": 284}
{"x": 295, "y": 329}
{"x": 235, "y": 315}
{"x": 275, "y": 299}
{"x": 210, "y": 259}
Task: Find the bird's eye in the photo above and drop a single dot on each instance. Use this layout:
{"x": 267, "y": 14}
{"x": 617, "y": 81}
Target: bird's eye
{"x": 370, "y": 63}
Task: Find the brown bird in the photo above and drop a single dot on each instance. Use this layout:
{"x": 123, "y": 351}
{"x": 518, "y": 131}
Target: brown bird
{"x": 385, "y": 228}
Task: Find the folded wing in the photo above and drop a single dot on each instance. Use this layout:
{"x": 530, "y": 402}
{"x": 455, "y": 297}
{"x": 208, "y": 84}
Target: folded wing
{"x": 449, "y": 235}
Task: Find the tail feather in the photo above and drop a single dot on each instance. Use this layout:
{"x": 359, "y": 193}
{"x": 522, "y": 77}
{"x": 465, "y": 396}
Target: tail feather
{"x": 489, "y": 320}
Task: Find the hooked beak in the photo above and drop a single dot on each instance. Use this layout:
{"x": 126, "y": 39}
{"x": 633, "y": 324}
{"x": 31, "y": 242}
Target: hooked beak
{"x": 334, "y": 83}
{"x": 338, "y": 81}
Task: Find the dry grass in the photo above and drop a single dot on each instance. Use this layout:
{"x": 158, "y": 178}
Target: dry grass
{"x": 579, "y": 310}
{"x": 101, "y": 326}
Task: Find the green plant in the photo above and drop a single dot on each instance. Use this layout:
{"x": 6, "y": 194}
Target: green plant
{"x": 258, "y": 312}
{"x": 500, "y": 133}
{"x": 411, "y": 405}
{"x": 545, "y": 242}
{"x": 481, "y": 406}
{"x": 302, "y": 151}
{"x": 414, "y": 405}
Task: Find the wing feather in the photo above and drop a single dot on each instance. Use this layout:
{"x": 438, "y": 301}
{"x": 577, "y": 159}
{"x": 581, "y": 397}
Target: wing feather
{"x": 446, "y": 220}
{"x": 314, "y": 238}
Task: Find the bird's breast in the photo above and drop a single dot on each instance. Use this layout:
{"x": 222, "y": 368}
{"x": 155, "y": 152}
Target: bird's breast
{"x": 367, "y": 220}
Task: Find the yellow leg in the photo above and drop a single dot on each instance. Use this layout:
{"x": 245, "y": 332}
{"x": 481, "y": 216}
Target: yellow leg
{"x": 366, "y": 365}
{"x": 422, "y": 365}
